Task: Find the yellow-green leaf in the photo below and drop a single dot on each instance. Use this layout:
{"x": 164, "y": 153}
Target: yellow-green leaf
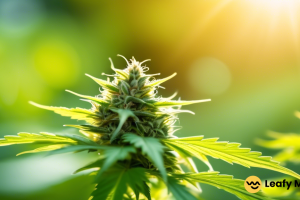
{"x": 43, "y": 138}
{"x": 95, "y": 99}
{"x": 74, "y": 113}
{"x": 104, "y": 84}
{"x": 229, "y": 152}
{"x": 225, "y": 182}
{"x": 44, "y": 148}
{"x": 122, "y": 73}
{"x": 160, "y": 81}
{"x": 177, "y": 103}
{"x": 289, "y": 143}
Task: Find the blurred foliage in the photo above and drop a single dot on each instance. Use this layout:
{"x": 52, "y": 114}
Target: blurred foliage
{"x": 289, "y": 144}
{"x": 254, "y": 43}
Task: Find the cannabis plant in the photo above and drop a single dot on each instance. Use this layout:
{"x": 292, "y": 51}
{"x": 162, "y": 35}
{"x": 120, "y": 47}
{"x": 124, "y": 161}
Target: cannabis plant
{"x": 131, "y": 129}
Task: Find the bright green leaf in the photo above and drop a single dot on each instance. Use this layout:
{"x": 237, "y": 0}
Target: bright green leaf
{"x": 104, "y": 84}
{"x": 95, "y": 99}
{"x": 225, "y": 182}
{"x": 74, "y": 113}
{"x": 122, "y": 73}
{"x": 44, "y": 148}
{"x": 177, "y": 103}
{"x": 229, "y": 152}
{"x": 41, "y": 138}
{"x": 160, "y": 81}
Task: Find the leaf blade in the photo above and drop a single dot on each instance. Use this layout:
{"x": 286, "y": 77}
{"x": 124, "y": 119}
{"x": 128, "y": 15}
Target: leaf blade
{"x": 177, "y": 103}
{"x": 151, "y": 147}
{"x": 225, "y": 182}
{"x": 229, "y": 152}
{"x": 95, "y": 99}
{"x": 74, "y": 113}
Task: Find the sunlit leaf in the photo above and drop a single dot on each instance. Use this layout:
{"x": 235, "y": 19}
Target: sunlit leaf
{"x": 225, "y": 182}
{"x": 44, "y": 148}
{"x": 74, "y": 113}
{"x": 160, "y": 81}
{"x": 95, "y": 99}
{"x": 41, "y": 138}
{"x": 177, "y": 103}
{"x": 229, "y": 152}
{"x": 104, "y": 84}
{"x": 120, "y": 72}
{"x": 289, "y": 143}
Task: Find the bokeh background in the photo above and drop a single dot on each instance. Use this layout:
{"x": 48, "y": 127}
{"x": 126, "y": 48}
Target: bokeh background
{"x": 244, "y": 55}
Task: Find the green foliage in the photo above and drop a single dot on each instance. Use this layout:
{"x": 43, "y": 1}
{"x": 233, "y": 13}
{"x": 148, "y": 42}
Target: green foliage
{"x": 150, "y": 147}
{"x": 289, "y": 144}
{"x": 131, "y": 130}
{"x": 42, "y": 138}
{"x": 229, "y": 152}
{"x": 225, "y": 182}
{"x": 113, "y": 185}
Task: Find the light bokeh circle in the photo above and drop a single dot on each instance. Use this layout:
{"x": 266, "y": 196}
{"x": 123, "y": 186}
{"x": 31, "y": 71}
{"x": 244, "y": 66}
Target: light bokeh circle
{"x": 209, "y": 76}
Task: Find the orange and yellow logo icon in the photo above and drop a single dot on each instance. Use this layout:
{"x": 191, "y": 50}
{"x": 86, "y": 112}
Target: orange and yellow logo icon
{"x": 252, "y": 184}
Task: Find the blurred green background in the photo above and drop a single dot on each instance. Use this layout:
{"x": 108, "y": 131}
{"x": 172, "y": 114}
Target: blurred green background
{"x": 244, "y": 55}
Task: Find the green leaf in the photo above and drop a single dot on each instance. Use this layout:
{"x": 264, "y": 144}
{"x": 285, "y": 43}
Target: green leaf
{"x": 113, "y": 184}
{"x": 42, "y": 138}
{"x": 150, "y": 147}
{"x": 74, "y": 113}
{"x": 144, "y": 114}
{"x": 123, "y": 116}
{"x": 178, "y": 190}
{"x": 280, "y": 141}
{"x": 44, "y": 148}
{"x": 122, "y": 73}
{"x": 177, "y": 103}
{"x": 160, "y": 81}
{"x": 105, "y": 84}
{"x": 229, "y": 152}
{"x": 76, "y": 148}
{"x": 289, "y": 142}
{"x": 81, "y": 139}
{"x": 90, "y": 128}
{"x": 225, "y": 182}
{"x": 95, "y": 99}
{"x": 114, "y": 154}
{"x": 93, "y": 165}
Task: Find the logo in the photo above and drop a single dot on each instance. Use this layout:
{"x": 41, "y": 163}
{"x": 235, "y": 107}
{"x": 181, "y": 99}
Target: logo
{"x": 252, "y": 184}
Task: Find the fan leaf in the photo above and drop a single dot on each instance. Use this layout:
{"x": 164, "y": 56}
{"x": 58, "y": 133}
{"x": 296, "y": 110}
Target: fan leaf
{"x": 178, "y": 190}
{"x": 114, "y": 183}
{"x": 41, "y": 138}
{"x": 150, "y": 147}
{"x": 229, "y": 152}
{"x": 74, "y": 113}
{"x": 225, "y": 182}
